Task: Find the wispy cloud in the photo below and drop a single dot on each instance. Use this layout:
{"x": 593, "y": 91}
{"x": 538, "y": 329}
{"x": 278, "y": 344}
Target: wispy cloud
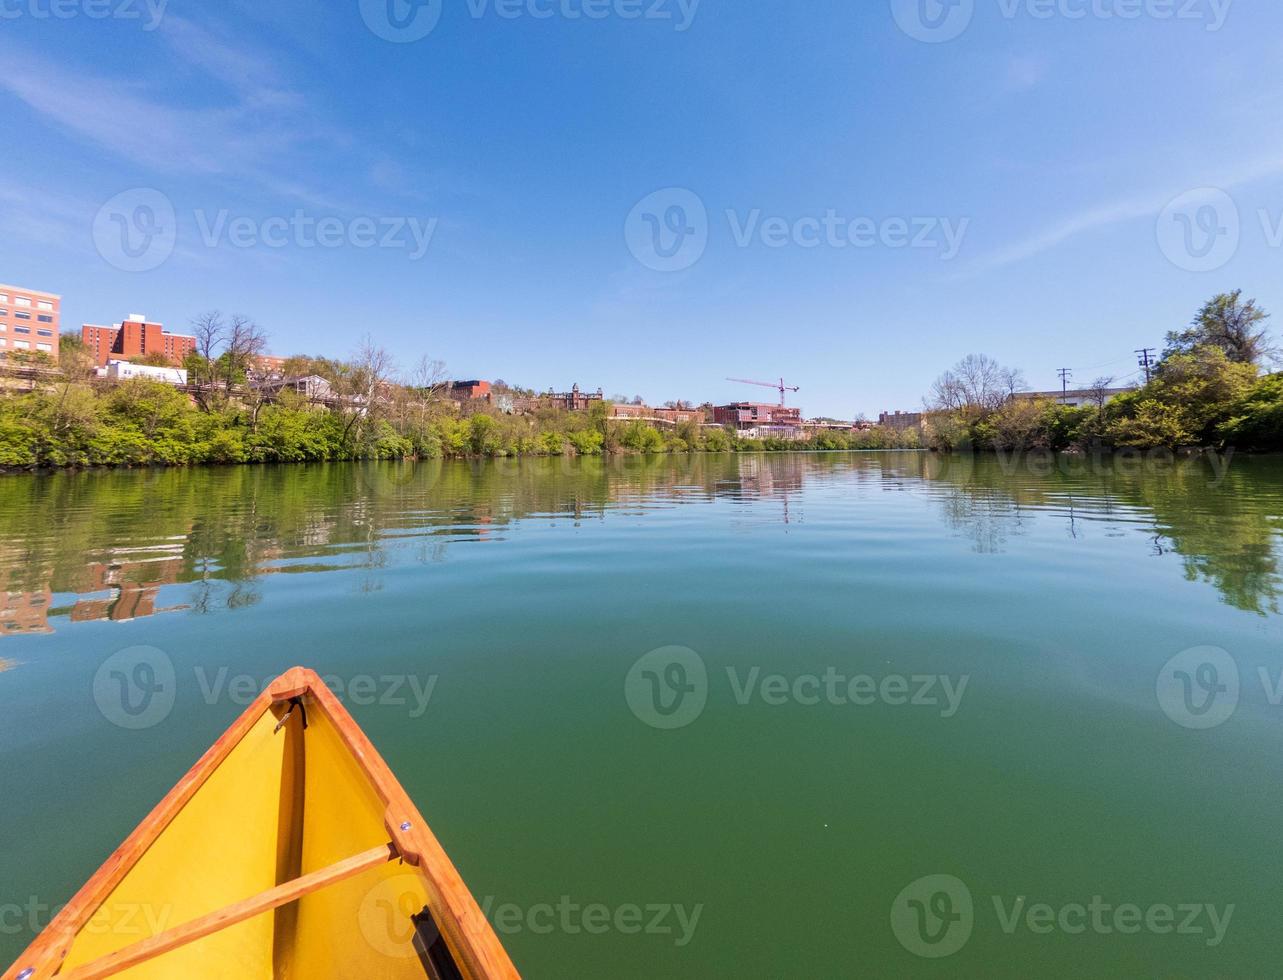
{"x": 253, "y": 130}
{"x": 1143, "y": 204}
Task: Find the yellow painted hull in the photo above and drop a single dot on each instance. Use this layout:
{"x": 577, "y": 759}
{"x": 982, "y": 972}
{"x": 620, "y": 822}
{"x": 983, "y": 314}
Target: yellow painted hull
{"x": 274, "y": 803}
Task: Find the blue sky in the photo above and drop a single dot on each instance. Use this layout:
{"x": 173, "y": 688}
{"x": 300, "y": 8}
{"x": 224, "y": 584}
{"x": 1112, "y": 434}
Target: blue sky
{"x": 1049, "y": 144}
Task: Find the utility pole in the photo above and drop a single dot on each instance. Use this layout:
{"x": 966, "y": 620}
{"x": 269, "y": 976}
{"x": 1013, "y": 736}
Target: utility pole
{"x": 1147, "y": 362}
{"x": 1065, "y": 375}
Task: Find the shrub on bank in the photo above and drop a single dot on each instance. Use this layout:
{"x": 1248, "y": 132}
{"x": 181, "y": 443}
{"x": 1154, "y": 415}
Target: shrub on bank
{"x": 142, "y": 423}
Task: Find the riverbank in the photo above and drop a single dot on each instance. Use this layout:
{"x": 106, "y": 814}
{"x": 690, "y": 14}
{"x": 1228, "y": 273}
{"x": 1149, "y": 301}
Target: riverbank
{"x": 142, "y": 423}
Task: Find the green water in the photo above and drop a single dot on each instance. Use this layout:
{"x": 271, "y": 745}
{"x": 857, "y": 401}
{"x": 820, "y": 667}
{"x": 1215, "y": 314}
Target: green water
{"x": 790, "y": 816}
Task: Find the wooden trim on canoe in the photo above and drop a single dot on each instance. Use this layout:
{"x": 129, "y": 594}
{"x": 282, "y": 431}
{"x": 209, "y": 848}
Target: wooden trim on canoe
{"x": 207, "y": 925}
{"x": 472, "y": 941}
{"x": 468, "y": 934}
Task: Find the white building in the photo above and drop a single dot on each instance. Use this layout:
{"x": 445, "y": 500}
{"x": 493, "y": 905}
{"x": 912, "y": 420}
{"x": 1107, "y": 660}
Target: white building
{"x": 125, "y": 371}
{"x": 1074, "y": 397}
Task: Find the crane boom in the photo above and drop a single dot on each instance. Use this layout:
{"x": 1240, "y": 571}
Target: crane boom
{"x": 779, "y": 386}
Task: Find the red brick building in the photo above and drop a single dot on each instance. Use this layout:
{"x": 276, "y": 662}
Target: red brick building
{"x": 29, "y": 321}
{"x": 750, "y": 415}
{"x": 135, "y": 337}
{"x": 573, "y": 400}
{"x": 466, "y": 391}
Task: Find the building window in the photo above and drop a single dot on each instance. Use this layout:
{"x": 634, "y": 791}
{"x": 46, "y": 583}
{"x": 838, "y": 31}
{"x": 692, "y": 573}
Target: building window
{"x": 45, "y": 347}
{"x": 22, "y": 316}
{"x": 21, "y": 301}
{"x": 21, "y": 343}
{"x": 45, "y": 319}
{"x": 22, "y": 330}
{"x": 44, "y": 306}
{"x": 45, "y": 333}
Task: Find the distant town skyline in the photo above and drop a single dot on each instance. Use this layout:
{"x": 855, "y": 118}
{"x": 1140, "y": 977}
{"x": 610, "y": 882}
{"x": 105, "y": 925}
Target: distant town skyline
{"x": 654, "y": 205}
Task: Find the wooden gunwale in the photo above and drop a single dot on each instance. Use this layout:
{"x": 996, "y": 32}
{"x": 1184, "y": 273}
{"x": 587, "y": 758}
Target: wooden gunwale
{"x": 471, "y": 940}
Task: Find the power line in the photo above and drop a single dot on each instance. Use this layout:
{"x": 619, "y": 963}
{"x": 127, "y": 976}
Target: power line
{"x": 1065, "y": 375}
{"x": 1147, "y": 362}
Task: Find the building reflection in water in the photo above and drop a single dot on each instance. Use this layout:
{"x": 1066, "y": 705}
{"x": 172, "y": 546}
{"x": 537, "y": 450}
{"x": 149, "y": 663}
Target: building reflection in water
{"x": 126, "y": 546}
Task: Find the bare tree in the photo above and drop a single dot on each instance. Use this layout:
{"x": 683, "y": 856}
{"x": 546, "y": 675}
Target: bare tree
{"x": 246, "y": 343}
{"x": 430, "y": 377}
{"x": 365, "y": 390}
{"x": 1099, "y": 391}
{"x": 976, "y": 383}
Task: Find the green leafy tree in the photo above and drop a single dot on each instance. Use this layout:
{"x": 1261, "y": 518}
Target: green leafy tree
{"x": 1229, "y": 324}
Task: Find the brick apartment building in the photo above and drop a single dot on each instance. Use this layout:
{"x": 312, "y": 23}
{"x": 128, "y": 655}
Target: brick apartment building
{"x": 751, "y": 415}
{"x": 673, "y": 416}
{"x": 29, "y": 321}
{"x": 135, "y": 337}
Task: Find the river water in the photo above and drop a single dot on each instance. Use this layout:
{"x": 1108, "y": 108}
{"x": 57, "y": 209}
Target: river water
{"x": 752, "y": 716}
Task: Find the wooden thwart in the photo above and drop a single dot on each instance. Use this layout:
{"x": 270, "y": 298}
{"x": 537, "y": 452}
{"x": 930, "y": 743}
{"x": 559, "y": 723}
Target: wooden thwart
{"x": 207, "y": 925}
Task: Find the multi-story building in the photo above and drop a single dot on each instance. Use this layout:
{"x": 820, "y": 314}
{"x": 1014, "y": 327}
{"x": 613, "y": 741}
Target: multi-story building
{"x": 468, "y": 391}
{"x": 900, "y": 421}
{"x": 135, "y": 337}
{"x": 573, "y": 400}
{"x": 29, "y": 321}
{"x": 751, "y": 415}
{"x": 668, "y": 416}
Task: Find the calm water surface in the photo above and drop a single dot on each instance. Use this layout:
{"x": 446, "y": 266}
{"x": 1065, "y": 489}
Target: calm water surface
{"x": 737, "y": 776}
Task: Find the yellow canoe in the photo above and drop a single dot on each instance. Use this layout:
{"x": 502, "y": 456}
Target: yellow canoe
{"x": 289, "y": 850}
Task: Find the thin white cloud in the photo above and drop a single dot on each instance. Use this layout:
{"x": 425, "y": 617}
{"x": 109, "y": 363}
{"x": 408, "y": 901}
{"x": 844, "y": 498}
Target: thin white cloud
{"x": 1144, "y": 204}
